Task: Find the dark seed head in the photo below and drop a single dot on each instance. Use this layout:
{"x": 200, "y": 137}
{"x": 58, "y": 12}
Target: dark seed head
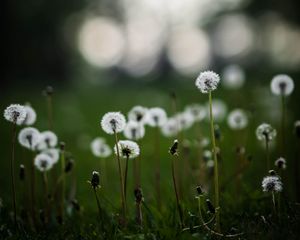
{"x": 210, "y": 207}
{"x": 174, "y": 148}
{"x": 272, "y": 172}
{"x": 199, "y": 190}
{"x": 95, "y": 181}
{"x": 69, "y": 165}
{"x": 62, "y": 146}
{"x": 22, "y": 172}
{"x": 138, "y": 194}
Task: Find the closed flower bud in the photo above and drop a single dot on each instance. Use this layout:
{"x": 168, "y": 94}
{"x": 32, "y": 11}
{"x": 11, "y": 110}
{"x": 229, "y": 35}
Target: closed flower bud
{"x": 69, "y": 165}
{"x": 199, "y": 190}
{"x": 62, "y": 146}
{"x": 210, "y": 207}
{"x": 272, "y": 173}
{"x": 95, "y": 181}
{"x": 22, "y": 172}
{"x": 174, "y": 148}
{"x": 138, "y": 194}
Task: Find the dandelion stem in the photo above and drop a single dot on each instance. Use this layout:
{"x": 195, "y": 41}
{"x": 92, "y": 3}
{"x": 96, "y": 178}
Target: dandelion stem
{"x": 98, "y": 202}
{"x": 176, "y": 194}
{"x": 274, "y": 202}
{"x": 45, "y": 179}
{"x": 62, "y": 156}
{"x": 267, "y": 152}
{"x": 50, "y": 111}
{"x": 125, "y": 180}
{"x": 121, "y": 178}
{"x": 157, "y": 168}
{"x": 32, "y": 172}
{"x": 12, "y": 171}
{"x": 216, "y": 173}
{"x": 282, "y": 124}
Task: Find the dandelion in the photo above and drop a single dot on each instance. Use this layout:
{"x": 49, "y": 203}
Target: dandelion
{"x": 30, "y": 115}
{"x": 156, "y": 117}
{"x": 282, "y": 85}
{"x": 134, "y": 130}
{"x": 197, "y": 111}
{"x": 48, "y": 139}
{"x": 99, "y": 148}
{"x": 233, "y": 77}
{"x": 280, "y": 163}
{"x": 272, "y": 184}
{"x": 128, "y": 150}
{"x": 170, "y": 129}
{"x": 138, "y": 114}
{"x": 29, "y": 137}
{"x": 237, "y": 119}
{"x": 95, "y": 183}
{"x": 16, "y": 114}
{"x": 208, "y": 82}
{"x": 113, "y": 122}
{"x": 185, "y": 120}
{"x": 265, "y": 132}
{"x": 219, "y": 110}
{"x": 53, "y": 153}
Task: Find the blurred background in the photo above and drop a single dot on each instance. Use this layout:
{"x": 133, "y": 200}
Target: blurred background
{"x": 106, "y": 55}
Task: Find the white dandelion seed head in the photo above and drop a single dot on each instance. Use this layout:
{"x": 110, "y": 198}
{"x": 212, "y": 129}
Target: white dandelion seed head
{"x": 282, "y": 84}
{"x": 48, "y": 140}
{"x": 99, "y": 148}
{"x": 43, "y": 162}
{"x": 271, "y": 184}
{"x": 219, "y": 110}
{"x": 156, "y": 117}
{"x": 134, "y": 130}
{"x": 170, "y": 128}
{"x": 29, "y": 137}
{"x": 138, "y": 114}
{"x": 128, "y": 149}
{"x": 113, "y": 122}
{"x": 185, "y": 120}
{"x": 30, "y": 116}
{"x": 53, "y": 153}
{"x": 280, "y": 163}
{"x": 207, "y": 155}
{"x": 15, "y": 113}
{"x": 197, "y": 111}
{"x": 204, "y": 142}
{"x": 233, "y": 77}
{"x": 237, "y": 119}
{"x": 207, "y": 81}
{"x": 210, "y": 163}
{"x": 265, "y": 131}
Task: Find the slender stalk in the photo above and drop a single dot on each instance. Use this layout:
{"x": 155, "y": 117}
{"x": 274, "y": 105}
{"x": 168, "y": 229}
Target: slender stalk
{"x": 282, "y": 125}
{"x": 121, "y": 178}
{"x": 98, "y": 202}
{"x": 139, "y": 217}
{"x": 12, "y": 172}
{"x": 267, "y": 152}
{"x": 62, "y": 200}
{"x": 46, "y": 192}
{"x": 50, "y": 111}
{"x": 216, "y": 172}
{"x": 176, "y": 194}
{"x": 125, "y": 180}
{"x": 274, "y": 202}
{"x": 157, "y": 168}
{"x": 32, "y": 189}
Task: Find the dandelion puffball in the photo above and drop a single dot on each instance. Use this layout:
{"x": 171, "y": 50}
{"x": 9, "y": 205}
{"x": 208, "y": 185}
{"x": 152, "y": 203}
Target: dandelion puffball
{"x": 280, "y": 163}
{"x": 127, "y": 149}
{"x": 282, "y": 84}
{"x": 30, "y": 116}
{"x": 43, "y": 162}
{"x": 207, "y": 81}
{"x": 265, "y": 132}
{"x": 170, "y": 128}
{"x": 48, "y": 140}
{"x": 185, "y": 120}
{"x": 134, "y": 130}
{"x": 233, "y": 77}
{"x": 100, "y": 148}
{"x": 156, "y": 117}
{"x": 271, "y": 184}
{"x": 197, "y": 111}
{"x": 15, "y": 113}
{"x": 113, "y": 122}
{"x": 138, "y": 114}
{"x": 237, "y": 119}
{"x": 29, "y": 137}
{"x": 53, "y": 153}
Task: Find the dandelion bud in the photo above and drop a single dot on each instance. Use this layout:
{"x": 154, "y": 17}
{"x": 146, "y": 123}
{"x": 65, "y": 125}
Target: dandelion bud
{"x": 62, "y": 146}
{"x": 69, "y": 165}
{"x": 199, "y": 190}
{"x": 22, "y": 172}
{"x": 95, "y": 182}
{"x": 297, "y": 128}
{"x": 272, "y": 173}
{"x": 138, "y": 194}
{"x": 48, "y": 91}
{"x": 210, "y": 207}
{"x": 174, "y": 148}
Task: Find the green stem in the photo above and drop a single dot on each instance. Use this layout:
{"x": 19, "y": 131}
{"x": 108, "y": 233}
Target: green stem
{"x": 274, "y": 202}
{"x": 98, "y": 202}
{"x": 12, "y": 172}
{"x": 50, "y": 115}
{"x": 267, "y": 153}
{"x": 62, "y": 203}
{"x": 176, "y": 194}
{"x": 46, "y": 197}
{"x": 125, "y": 180}
{"x": 282, "y": 125}
{"x": 121, "y": 178}
{"x": 157, "y": 168}
{"x": 216, "y": 172}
